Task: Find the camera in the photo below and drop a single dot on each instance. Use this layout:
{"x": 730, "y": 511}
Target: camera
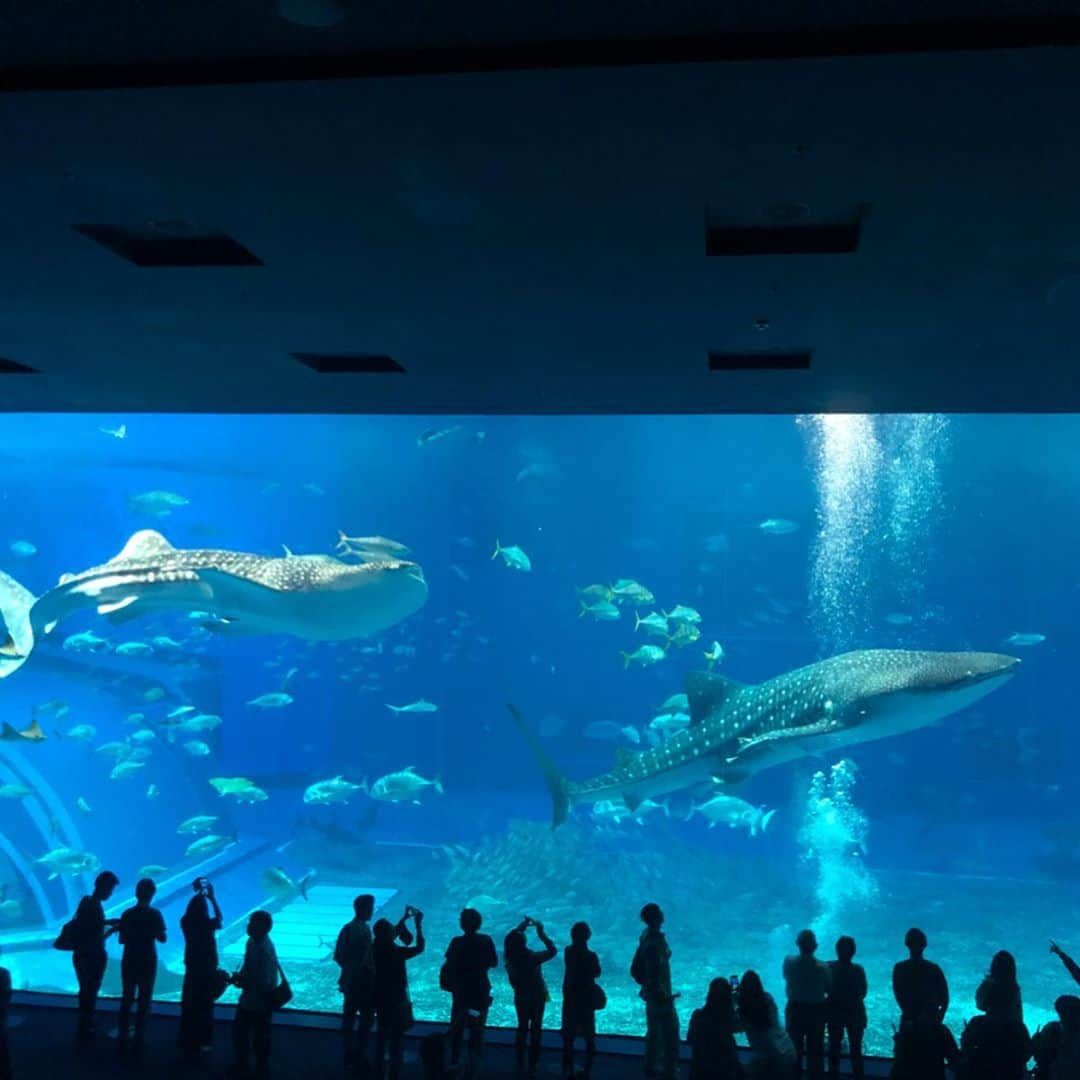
{"x": 413, "y": 911}
{"x": 734, "y": 979}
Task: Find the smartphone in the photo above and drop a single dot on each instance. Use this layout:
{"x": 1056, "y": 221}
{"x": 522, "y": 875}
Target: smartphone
{"x": 474, "y": 1014}
{"x": 734, "y": 982}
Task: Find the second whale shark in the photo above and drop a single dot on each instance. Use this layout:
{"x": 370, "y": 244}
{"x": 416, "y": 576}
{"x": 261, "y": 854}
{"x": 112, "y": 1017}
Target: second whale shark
{"x": 315, "y": 597}
{"x": 737, "y": 730}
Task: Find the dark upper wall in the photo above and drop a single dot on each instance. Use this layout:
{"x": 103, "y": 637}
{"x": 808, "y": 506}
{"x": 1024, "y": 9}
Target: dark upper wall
{"x": 535, "y": 240}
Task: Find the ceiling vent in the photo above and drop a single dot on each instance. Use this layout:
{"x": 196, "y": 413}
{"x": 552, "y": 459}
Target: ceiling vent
{"x": 765, "y": 360}
{"x": 170, "y": 243}
{"x": 13, "y": 367}
{"x": 349, "y": 363}
{"x": 839, "y": 237}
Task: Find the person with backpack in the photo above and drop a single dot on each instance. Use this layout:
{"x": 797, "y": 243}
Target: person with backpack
{"x": 581, "y": 998}
{"x": 651, "y": 970}
{"x": 88, "y": 931}
{"x": 523, "y": 969}
{"x": 469, "y": 958}
{"x": 354, "y": 956}
{"x": 140, "y": 928}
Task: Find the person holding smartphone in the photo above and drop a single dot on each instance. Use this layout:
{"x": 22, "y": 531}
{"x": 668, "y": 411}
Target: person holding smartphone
{"x": 523, "y": 969}
{"x": 199, "y": 924}
{"x": 393, "y": 1009}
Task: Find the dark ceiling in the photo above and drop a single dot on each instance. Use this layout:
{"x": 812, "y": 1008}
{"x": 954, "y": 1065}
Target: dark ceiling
{"x": 132, "y": 42}
{"x": 534, "y": 240}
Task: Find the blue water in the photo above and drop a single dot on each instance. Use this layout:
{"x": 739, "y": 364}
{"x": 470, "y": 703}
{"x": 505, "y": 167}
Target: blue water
{"x": 929, "y": 533}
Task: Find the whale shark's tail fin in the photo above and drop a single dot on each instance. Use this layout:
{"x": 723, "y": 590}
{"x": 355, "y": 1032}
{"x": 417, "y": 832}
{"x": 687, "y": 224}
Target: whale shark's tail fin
{"x": 556, "y": 782}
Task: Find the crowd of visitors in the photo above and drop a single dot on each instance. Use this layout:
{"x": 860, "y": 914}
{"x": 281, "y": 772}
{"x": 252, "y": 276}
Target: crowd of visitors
{"x": 824, "y": 1001}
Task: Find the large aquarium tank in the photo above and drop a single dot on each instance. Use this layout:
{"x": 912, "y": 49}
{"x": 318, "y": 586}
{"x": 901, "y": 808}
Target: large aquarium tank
{"x": 768, "y": 671}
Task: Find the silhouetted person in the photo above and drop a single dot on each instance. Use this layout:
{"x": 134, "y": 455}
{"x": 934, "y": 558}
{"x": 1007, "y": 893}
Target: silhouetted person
{"x": 711, "y": 1036}
{"x": 1057, "y": 1046}
{"x": 651, "y": 970}
{"x": 5, "y": 1006}
{"x": 524, "y": 970}
{"x": 393, "y": 1009}
{"x": 998, "y": 994}
{"x": 257, "y": 978}
{"x": 90, "y": 930}
{"x": 923, "y": 1047}
{"x": 140, "y": 928}
{"x": 997, "y": 1045}
{"x": 846, "y": 1007}
{"x": 199, "y": 924}
{"x": 919, "y": 984}
{"x": 353, "y": 954}
{"x": 772, "y": 1056}
{"x": 807, "y": 981}
{"x": 581, "y": 998}
{"x": 1071, "y": 965}
{"x": 469, "y": 958}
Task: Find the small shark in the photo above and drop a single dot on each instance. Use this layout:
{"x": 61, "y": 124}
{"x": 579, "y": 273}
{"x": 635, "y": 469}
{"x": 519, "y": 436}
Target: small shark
{"x": 315, "y": 597}
{"x": 737, "y": 730}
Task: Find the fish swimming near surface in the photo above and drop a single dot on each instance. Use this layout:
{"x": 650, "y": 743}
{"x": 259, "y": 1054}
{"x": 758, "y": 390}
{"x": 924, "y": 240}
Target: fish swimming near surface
{"x": 314, "y": 597}
{"x": 738, "y": 730}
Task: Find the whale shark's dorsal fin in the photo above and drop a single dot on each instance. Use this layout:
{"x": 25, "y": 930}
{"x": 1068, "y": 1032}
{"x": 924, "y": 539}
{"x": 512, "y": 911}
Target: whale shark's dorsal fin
{"x": 142, "y": 544}
{"x": 706, "y": 693}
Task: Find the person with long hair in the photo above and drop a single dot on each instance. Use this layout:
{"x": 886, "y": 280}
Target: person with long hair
{"x": 772, "y": 1054}
{"x": 998, "y": 994}
{"x": 711, "y": 1035}
{"x": 523, "y": 969}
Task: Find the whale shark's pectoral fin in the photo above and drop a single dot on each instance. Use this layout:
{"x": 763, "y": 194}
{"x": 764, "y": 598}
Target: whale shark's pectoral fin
{"x": 707, "y": 693}
{"x": 632, "y": 801}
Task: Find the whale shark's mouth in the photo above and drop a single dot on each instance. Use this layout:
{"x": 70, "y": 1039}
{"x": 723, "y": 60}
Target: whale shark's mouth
{"x": 1005, "y": 668}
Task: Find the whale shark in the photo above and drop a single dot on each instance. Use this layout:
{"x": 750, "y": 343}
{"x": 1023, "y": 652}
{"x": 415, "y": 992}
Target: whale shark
{"x": 738, "y": 730}
{"x": 315, "y": 597}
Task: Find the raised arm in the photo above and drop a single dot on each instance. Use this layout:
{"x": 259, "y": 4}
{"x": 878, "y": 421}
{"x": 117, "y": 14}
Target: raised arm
{"x": 549, "y": 945}
{"x": 1070, "y": 964}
